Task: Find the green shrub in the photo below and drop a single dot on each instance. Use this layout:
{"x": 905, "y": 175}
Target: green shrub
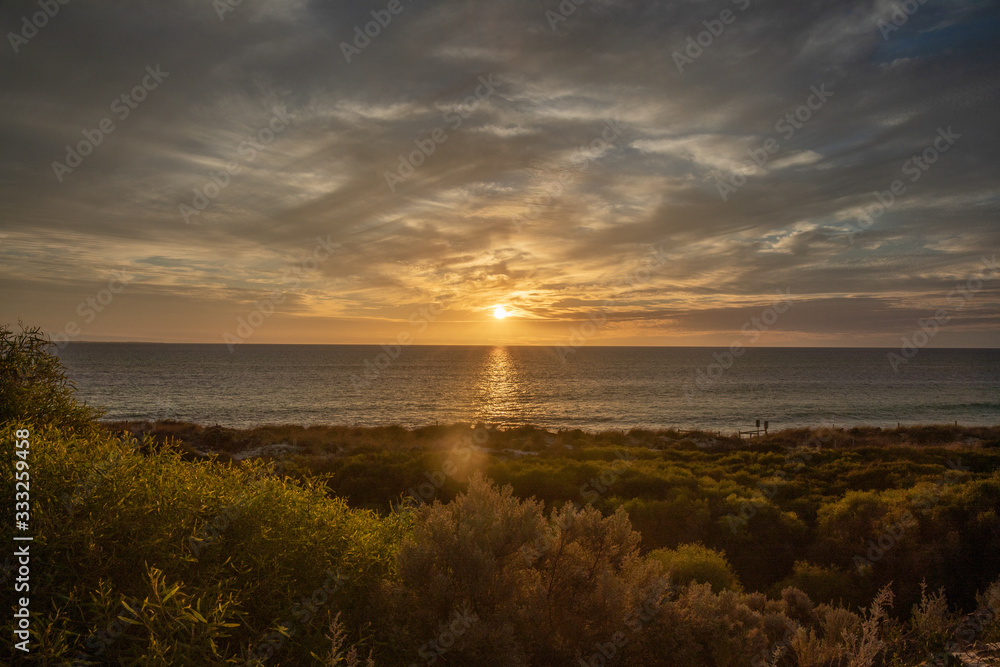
{"x": 931, "y": 621}
{"x": 33, "y": 384}
{"x": 822, "y": 584}
{"x": 696, "y": 563}
{"x": 217, "y": 561}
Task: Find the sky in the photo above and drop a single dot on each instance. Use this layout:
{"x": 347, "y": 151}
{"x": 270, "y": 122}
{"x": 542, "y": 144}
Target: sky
{"x": 608, "y": 172}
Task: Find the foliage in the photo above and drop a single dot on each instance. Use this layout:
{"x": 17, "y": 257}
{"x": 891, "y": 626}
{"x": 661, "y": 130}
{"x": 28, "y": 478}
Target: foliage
{"x": 33, "y": 384}
{"x": 205, "y": 562}
{"x": 822, "y": 584}
{"x": 536, "y": 590}
{"x": 148, "y": 550}
{"x": 697, "y": 563}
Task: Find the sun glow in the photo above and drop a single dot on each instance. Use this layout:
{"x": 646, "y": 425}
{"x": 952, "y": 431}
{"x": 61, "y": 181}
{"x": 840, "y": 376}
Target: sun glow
{"x": 500, "y": 313}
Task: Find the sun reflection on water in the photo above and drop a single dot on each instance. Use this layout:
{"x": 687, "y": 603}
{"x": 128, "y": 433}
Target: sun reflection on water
{"x": 499, "y": 390}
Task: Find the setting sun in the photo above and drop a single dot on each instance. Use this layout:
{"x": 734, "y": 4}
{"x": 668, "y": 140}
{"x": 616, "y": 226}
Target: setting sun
{"x": 500, "y": 313}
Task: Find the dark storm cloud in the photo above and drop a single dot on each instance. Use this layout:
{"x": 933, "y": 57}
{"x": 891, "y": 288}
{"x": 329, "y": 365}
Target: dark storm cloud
{"x": 575, "y": 144}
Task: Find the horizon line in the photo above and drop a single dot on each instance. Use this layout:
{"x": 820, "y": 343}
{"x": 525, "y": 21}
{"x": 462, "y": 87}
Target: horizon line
{"x": 721, "y": 347}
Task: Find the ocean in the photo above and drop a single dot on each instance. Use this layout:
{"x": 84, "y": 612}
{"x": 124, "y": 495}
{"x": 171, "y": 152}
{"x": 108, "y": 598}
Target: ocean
{"x": 590, "y": 388}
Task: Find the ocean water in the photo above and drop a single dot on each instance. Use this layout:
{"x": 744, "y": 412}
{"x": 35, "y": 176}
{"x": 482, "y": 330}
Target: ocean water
{"x": 593, "y": 388}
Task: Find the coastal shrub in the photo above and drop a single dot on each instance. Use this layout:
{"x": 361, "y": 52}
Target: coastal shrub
{"x": 212, "y": 559}
{"x": 763, "y": 546}
{"x": 506, "y": 585}
{"x": 33, "y": 384}
{"x": 930, "y": 620}
{"x": 987, "y": 615}
{"x": 463, "y": 566}
{"x": 668, "y": 523}
{"x": 822, "y": 584}
{"x": 699, "y": 627}
{"x": 697, "y": 563}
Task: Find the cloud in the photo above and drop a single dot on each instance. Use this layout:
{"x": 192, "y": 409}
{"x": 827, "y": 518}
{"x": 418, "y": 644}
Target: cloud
{"x": 527, "y": 199}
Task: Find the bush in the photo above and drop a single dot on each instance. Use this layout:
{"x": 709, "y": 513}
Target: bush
{"x": 696, "y": 563}
{"x": 489, "y": 580}
{"x": 205, "y": 562}
{"x": 822, "y": 584}
{"x": 930, "y": 620}
{"x": 33, "y": 384}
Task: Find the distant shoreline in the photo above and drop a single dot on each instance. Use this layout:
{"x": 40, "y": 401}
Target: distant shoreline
{"x": 280, "y": 440}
